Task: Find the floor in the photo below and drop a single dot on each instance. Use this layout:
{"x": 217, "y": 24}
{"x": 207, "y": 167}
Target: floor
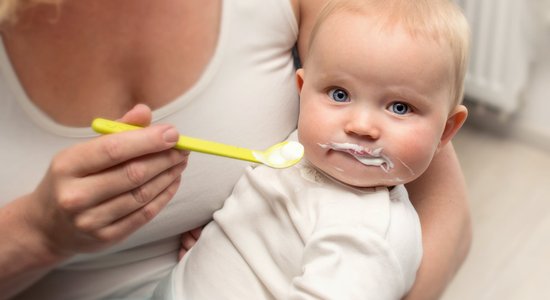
{"x": 509, "y": 190}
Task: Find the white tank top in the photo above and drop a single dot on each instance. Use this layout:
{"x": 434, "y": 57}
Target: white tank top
{"x": 246, "y": 96}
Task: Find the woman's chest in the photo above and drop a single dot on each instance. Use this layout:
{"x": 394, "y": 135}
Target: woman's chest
{"x": 103, "y": 60}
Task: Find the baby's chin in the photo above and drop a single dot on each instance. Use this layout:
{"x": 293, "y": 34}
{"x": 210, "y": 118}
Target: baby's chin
{"x": 363, "y": 183}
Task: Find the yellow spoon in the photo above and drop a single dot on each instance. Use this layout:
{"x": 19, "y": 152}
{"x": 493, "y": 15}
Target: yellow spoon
{"x": 281, "y": 155}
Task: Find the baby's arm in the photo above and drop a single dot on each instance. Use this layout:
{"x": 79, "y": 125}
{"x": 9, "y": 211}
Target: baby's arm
{"x": 348, "y": 262}
{"x": 362, "y": 245}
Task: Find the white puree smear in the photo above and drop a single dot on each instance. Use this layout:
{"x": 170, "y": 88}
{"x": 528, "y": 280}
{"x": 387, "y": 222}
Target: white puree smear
{"x": 289, "y": 152}
{"x": 366, "y": 156}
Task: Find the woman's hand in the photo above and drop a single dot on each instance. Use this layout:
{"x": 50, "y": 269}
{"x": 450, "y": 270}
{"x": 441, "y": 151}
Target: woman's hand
{"x": 97, "y": 193}
{"x": 93, "y": 195}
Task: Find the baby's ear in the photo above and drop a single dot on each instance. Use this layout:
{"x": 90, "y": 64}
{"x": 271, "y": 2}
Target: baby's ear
{"x": 454, "y": 122}
{"x": 300, "y": 79}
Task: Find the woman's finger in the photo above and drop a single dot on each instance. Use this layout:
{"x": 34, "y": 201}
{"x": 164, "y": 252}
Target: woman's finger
{"x": 86, "y": 192}
{"x": 130, "y": 223}
{"x": 125, "y": 177}
{"x": 196, "y": 233}
{"x": 112, "y": 149}
{"x": 188, "y": 240}
{"x": 139, "y": 115}
{"x": 126, "y": 203}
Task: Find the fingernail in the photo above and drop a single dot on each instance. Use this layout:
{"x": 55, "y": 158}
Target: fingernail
{"x": 171, "y": 135}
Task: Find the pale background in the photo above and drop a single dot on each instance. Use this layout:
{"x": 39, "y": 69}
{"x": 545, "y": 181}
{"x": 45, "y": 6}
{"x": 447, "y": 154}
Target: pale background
{"x": 506, "y": 162}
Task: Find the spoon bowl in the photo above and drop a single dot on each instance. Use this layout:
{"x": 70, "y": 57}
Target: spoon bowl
{"x": 281, "y": 155}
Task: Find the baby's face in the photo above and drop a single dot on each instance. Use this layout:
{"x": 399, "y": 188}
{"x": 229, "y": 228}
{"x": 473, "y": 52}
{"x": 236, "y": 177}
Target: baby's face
{"x": 374, "y": 103}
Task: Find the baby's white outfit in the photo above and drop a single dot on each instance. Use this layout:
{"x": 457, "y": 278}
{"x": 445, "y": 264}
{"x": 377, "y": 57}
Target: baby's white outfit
{"x": 298, "y": 234}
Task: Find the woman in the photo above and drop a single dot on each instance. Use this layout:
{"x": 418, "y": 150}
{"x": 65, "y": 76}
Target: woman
{"x": 77, "y": 213}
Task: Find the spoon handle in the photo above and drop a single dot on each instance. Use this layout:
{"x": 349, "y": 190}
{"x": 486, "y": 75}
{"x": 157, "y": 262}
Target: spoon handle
{"x": 105, "y": 126}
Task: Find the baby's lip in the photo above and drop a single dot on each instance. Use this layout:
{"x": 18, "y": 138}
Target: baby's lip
{"x": 367, "y": 156}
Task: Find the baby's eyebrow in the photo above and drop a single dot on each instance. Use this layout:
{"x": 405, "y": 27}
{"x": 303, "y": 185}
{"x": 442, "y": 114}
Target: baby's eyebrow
{"x": 335, "y": 77}
{"x": 410, "y": 95}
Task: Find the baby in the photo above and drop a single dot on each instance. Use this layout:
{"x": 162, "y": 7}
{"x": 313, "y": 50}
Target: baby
{"x": 380, "y": 94}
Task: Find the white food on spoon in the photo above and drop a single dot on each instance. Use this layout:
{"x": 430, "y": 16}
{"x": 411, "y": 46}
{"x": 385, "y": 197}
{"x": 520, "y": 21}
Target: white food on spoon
{"x": 289, "y": 152}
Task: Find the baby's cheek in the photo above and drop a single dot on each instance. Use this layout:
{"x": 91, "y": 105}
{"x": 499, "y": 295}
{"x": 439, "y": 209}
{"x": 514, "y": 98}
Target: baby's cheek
{"x": 413, "y": 160}
{"x": 423, "y": 159}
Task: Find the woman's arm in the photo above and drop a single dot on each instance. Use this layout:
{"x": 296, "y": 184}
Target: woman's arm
{"x": 440, "y": 199}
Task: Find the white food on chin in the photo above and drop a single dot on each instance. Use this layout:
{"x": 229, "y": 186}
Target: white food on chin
{"x": 366, "y": 156}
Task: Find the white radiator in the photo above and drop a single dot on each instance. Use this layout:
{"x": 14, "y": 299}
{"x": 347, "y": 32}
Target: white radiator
{"x": 501, "y": 51}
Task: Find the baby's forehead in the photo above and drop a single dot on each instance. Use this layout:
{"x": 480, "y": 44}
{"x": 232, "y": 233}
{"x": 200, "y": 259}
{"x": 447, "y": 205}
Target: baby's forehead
{"x": 385, "y": 74}
{"x": 441, "y": 22}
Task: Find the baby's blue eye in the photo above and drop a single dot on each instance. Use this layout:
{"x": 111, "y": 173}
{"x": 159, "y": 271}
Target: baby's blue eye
{"x": 400, "y": 108}
{"x": 338, "y": 95}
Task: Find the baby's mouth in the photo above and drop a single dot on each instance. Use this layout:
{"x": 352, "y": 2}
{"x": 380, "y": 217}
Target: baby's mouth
{"x": 366, "y": 156}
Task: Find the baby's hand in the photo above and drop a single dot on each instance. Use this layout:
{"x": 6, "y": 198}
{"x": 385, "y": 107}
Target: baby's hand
{"x": 188, "y": 240}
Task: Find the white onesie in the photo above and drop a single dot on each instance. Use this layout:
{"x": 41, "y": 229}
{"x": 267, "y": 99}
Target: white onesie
{"x": 297, "y": 234}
